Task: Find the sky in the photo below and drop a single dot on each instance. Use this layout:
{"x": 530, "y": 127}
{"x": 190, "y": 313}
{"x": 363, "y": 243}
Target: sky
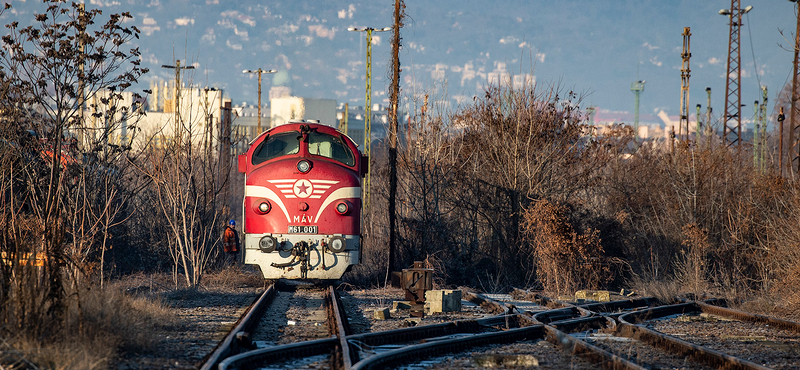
{"x": 451, "y": 48}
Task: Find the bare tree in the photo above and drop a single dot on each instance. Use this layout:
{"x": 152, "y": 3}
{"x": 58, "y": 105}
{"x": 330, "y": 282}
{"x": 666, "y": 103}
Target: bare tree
{"x": 188, "y": 186}
{"x": 52, "y": 212}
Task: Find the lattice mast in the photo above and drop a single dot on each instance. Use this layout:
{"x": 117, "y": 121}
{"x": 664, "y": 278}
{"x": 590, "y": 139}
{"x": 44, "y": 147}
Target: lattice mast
{"x": 683, "y": 126}
{"x": 732, "y": 119}
{"x": 368, "y": 120}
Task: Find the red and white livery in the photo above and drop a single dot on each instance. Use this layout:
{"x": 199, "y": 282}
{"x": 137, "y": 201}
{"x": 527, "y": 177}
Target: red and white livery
{"x": 302, "y": 202}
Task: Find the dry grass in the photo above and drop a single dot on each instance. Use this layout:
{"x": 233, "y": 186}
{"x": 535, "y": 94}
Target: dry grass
{"x": 233, "y": 277}
{"x": 100, "y": 324}
{"x": 69, "y": 354}
{"x": 665, "y": 291}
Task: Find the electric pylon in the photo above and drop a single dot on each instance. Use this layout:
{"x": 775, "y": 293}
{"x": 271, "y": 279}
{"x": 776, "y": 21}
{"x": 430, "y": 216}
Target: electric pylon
{"x": 683, "y": 126}
{"x": 732, "y": 120}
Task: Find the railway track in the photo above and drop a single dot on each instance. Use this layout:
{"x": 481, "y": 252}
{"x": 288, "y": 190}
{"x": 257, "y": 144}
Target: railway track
{"x": 630, "y": 334}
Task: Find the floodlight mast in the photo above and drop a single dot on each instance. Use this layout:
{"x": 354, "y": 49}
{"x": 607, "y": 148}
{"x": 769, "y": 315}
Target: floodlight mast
{"x": 368, "y": 106}
{"x": 177, "y": 67}
{"x": 259, "y": 72}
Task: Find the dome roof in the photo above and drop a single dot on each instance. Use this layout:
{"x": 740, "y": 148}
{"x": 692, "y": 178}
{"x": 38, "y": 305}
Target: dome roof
{"x": 281, "y": 78}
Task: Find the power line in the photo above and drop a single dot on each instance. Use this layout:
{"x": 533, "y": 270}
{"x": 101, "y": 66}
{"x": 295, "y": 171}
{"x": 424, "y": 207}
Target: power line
{"x": 752, "y": 50}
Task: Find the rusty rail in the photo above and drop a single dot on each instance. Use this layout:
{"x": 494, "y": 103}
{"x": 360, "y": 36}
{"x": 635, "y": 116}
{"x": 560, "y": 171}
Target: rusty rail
{"x": 255, "y": 358}
{"x": 713, "y": 307}
{"x": 627, "y": 327}
{"x": 252, "y": 359}
{"x": 345, "y": 356}
{"x": 232, "y": 343}
{"x": 417, "y": 351}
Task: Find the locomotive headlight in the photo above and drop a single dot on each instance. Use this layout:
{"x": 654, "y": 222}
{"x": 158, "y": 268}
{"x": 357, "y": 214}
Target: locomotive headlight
{"x": 262, "y": 206}
{"x": 303, "y": 166}
{"x": 337, "y": 244}
{"x": 342, "y": 208}
{"x": 267, "y": 244}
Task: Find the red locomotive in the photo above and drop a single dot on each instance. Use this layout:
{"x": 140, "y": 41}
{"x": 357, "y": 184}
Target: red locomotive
{"x": 302, "y": 202}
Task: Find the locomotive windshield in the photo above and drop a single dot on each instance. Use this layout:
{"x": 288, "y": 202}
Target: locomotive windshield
{"x": 275, "y": 146}
{"x": 330, "y": 146}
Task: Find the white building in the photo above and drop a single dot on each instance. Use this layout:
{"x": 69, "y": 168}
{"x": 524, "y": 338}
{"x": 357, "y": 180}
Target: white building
{"x": 291, "y": 108}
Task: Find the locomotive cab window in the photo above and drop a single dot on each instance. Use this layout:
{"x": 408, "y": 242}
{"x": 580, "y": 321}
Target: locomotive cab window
{"x": 277, "y": 145}
{"x": 330, "y": 147}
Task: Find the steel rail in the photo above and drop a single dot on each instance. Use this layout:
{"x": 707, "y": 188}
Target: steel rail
{"x": 713, "y": 307}
{"x": 417, "y": 351}
{"x": 614, "y": 306}
{"x": 231, "y": 344}
{"x": 628, "y": 327}
{"x": 321, "y": 346}
{"x": 595, "y": 354}
{"x": 257, "y": 357}
{"x": 338, "y": 321}
{"x": 567, "y": 322}
{"x": 558, "y": 334}
{"x": 417, "y": 333}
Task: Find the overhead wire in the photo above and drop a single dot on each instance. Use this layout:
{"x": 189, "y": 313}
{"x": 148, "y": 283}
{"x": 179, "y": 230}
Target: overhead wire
{"x": 752, "y": 50}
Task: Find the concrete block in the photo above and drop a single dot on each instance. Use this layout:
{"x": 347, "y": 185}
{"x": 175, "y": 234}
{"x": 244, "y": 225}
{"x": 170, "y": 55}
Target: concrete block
{"x": 382, "y": 314}
{"x": 401, "y": 305}
{"x": 595, "y": 295}
{"x": 442, "y": 301}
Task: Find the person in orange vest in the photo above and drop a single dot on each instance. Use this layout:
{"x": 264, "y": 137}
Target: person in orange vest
{"x": 230, "y": 243}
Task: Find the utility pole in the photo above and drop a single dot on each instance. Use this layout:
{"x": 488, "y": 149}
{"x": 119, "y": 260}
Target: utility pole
{"x": 368, "y": 107}
{"x": 763, "y": 119}
{"x": 177, "y": 67}
{"x": 708, "y": 113}
{"x": 793, "y": 137}
{"x": 756, "y": 140}
{"x": 732, "y": 120}
{"x": 345, "y": 118}
{"x": 781, "y": 119}
{"x": 683, "y": 126}
{"x": 672, "y": 139}
{"x": 394, "y": 93}
{"x": 259, "y": 72}
{"x": 698, "y": 129}
{"x": 637, "y": 88}
{"x": 81, "y": 71}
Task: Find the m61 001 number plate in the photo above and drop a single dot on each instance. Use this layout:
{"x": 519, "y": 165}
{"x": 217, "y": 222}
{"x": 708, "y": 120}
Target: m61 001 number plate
{"x": 303, "y": 229}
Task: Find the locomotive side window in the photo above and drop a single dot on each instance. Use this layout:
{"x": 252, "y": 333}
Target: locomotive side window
{"x": 330, "y": 147}
{"x": 277, "y": 145}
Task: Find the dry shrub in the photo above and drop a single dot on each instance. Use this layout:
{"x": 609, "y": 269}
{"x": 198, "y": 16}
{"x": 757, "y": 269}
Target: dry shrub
{"x": 691, "y": 267}
{"x": 664, "y": 290}
{"x": 439, "y": 267}
{"x": 100, "y": 322}
{"x": 786, "y": 285}
{"x": 110, "y": 314}
{"x": 566, "y": 259}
